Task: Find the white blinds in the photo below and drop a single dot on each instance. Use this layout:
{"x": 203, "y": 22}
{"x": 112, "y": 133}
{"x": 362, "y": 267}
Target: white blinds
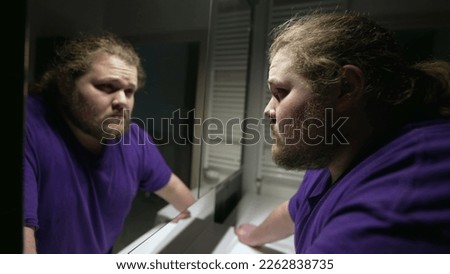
{"x": 230, "y": 45}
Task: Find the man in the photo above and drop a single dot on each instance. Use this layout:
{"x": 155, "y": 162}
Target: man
{"x": 373, "y": 134}
{"x": 84, "y": 161}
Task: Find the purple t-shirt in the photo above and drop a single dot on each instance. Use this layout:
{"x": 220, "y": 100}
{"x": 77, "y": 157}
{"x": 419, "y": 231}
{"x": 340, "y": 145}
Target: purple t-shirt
{"x": 397, "y": 200}
{"x": 77, "y": 201}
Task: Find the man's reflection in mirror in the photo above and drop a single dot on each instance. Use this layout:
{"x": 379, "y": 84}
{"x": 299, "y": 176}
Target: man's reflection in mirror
{"x": 84, "y": 161}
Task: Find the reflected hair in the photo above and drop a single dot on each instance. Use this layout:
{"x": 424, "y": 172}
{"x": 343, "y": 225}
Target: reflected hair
{"x": 74, "y": 58}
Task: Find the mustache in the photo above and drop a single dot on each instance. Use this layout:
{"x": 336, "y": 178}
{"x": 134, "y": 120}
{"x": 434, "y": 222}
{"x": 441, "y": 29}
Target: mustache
{"x": 119, "y": 114}
{"x": 275, "y": 133}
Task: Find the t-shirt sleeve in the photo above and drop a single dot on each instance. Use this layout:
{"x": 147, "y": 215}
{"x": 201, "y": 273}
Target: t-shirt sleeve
{"x": 156, "y": 172}
{"x": 355, "y": 231}
{"x": 293, "y": 205}
{"x": 299, "y": 197}
{"x": 313, "y": 182}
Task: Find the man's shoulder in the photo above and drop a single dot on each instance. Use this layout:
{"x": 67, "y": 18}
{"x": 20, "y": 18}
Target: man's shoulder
{"x": 414, "y": 152}
{"x": 34, "y": 104}
{"x": 429, "y": 128}
{"x": 38, "y": 116}
{"x": 423, "y": 136}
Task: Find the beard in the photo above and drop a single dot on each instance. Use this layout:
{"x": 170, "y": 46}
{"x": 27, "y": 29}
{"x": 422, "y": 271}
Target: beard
{"x": 83, "y": 115}
{"x": 300, "y": 142}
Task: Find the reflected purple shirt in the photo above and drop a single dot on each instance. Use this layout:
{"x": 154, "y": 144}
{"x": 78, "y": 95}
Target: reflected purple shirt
{"x": 397, "y": 200}
{"x": 77, "y": 201}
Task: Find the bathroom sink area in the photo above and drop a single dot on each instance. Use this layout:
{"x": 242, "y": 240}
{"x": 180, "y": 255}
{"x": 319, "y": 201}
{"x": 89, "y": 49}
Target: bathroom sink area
{"x": 201, "y": 235}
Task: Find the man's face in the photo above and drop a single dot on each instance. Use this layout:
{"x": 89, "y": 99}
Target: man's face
{"x": 297, "y": 118}
{"x": 102, "y": 100}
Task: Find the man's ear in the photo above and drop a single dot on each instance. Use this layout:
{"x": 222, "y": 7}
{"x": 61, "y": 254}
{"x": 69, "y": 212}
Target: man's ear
{"x": 352, "y": 87}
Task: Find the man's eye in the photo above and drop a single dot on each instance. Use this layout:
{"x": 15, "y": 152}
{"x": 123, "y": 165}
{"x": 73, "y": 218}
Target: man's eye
{"x": 280, "y": 93}
{"x": 105, "y": 87}
{"x": 130, "y": 91}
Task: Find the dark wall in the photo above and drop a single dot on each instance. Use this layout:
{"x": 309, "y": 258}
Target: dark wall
{"x": 11, "y": 194}
{"x": 163, "y": 105}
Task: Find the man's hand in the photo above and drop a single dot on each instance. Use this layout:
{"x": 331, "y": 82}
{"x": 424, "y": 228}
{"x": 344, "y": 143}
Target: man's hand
{"x": 183, "y": 215}
{"x": 243, "y": 233}
{"x": 29, "y": 241}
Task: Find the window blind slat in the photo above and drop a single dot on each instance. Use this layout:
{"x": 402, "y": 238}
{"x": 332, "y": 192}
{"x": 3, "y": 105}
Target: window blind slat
{"x": 228, "y": 85}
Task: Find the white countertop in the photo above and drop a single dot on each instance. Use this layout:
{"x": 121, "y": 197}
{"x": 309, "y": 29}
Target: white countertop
{"x": 252, "y": 208}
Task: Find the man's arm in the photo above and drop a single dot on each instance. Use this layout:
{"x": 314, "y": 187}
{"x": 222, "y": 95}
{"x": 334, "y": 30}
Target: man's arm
{"x": 29, "y": 241}
{"x": 178, "y": 195}
{"x": 278, "y": 225}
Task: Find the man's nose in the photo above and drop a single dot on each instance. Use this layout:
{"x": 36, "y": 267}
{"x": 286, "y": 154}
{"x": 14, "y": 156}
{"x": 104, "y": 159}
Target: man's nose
{"x": 269, "y": 110}
{"x": 120, "y": 98}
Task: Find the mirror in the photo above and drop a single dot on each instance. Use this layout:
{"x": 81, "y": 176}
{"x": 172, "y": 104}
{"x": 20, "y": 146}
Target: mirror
{"x": 172, "y": 38}
{"x": 220, "y": 167}
{"x": 220, "y": 187}
{"x": 196, "y": 57}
